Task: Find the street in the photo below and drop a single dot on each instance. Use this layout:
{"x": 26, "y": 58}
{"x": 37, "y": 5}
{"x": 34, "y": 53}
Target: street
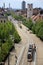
{"x": 28, "y": 38}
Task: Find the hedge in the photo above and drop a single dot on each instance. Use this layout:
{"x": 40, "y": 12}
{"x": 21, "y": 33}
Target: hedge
{"x": 8, "y": 36}
{"x": 38, "y": 29}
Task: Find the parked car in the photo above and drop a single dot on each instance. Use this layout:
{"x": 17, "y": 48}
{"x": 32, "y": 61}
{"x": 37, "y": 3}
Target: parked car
{"x": 29, "y": 56}
{"x": 30, "y": 52}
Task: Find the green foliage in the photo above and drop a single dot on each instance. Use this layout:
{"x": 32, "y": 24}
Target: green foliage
{"x": 16, "y": 37}
{"x": 33, "y": 28}
{"x": 8, "y": 35}
{"x": 40, "y": 33}
{"x": 3, "y": 31}
{"x": 38, "y": 29}
{"x": 28, "y": 23}
{"x": 18, "y": 17}
{"x": 5, "y": 49}
{"x": 38, "y": 26}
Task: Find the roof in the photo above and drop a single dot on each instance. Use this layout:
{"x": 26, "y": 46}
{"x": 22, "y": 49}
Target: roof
{"x": 2, "y": 16}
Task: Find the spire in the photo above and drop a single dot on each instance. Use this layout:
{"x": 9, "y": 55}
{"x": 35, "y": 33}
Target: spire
{"x": 9, "y": 5}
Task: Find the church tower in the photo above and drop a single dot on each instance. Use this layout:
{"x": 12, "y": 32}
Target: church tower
{"x": 29, "y": 10}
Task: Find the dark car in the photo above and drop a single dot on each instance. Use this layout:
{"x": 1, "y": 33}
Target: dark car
{"x": 30, "y": 46}
{"x": 30, "y": 52}
{"x": 29, "y": 56}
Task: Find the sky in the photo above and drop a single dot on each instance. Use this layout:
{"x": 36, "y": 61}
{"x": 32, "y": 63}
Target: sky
{"x": 18, "y": 3}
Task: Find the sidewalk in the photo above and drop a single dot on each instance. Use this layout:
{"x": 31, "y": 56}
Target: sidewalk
{"x": 12, "y": 58}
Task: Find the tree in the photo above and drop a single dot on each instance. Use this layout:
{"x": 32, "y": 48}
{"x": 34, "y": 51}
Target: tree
{"x": 40, "y": 33}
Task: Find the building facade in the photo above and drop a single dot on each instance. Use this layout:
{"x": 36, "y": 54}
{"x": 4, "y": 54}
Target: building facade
{"x": 3, "y": 19}
{"x": 36, "y": 11}
{"x": 29, "y": 10}
{"x": 23, "y": 5}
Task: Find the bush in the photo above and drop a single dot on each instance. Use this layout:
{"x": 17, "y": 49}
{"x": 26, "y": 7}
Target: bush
{"x": 28, "y": 23}
{"x": 38, "y": 29}
{"x": 38, "y": 26}
{"x": 40, "y": 33}
{"x": 33, "y": 28}
{"x": 17, "y": 38}
{"x": 8, "y": 34}
{"x": 5, "y": 49}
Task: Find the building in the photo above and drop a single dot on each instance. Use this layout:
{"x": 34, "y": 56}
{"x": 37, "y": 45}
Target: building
{"x": 38, "y": 15}
{"x": 21, "y": 12}
{"x": 18, "y": 12}
{"x": 36, "y": 11}
{"x": 24, "y": 13}
{"x": 3, "y": 5}
{"x": 41, "y": 12}
{"x": 3, "y": 18}
{"x": 29, "y": 10}
{"x": 23, "y": 5}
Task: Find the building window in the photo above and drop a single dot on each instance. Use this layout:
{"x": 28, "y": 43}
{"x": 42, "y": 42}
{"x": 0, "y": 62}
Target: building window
{"x": 30, "y": 9}
{"x": 1, "y": 21}
{"x": 42, "y": 17}
{"x": 4, "y": 21}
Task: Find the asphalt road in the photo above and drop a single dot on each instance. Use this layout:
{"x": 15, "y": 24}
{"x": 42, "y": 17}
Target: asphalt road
{"x": 28, "y": 38}
{"x": 26, "y": 43}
